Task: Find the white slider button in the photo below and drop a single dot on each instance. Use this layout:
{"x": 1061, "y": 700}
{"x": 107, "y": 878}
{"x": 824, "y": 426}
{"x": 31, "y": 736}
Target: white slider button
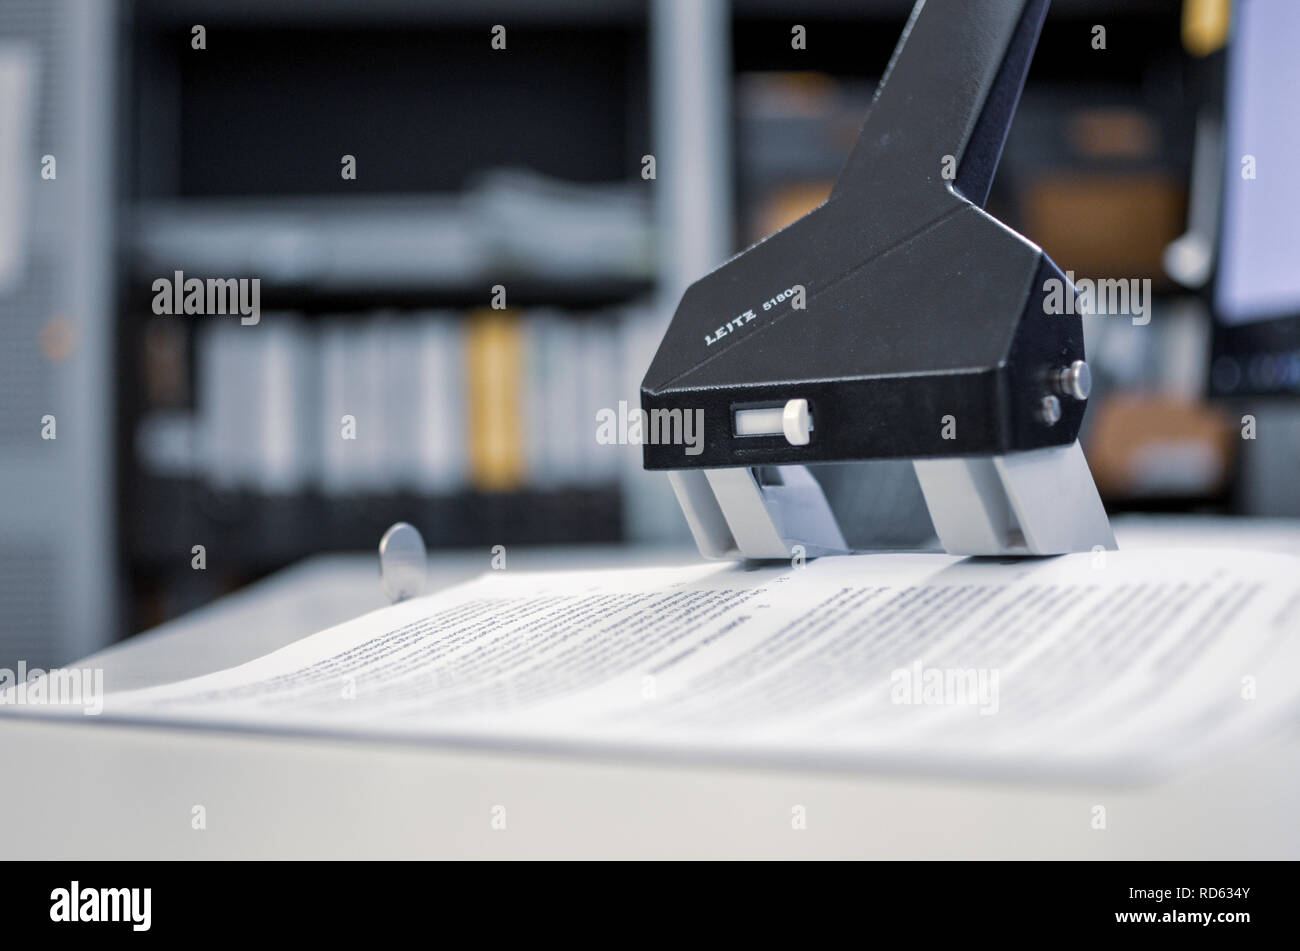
{"x": 796, "y": 423}
{"x": 791, "y": 421}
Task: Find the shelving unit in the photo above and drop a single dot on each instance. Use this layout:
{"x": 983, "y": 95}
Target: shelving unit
{"x": 232, "y": 168}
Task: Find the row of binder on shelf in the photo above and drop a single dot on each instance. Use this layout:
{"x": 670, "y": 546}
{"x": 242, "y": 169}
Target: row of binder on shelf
{"x": 434, "y": 402}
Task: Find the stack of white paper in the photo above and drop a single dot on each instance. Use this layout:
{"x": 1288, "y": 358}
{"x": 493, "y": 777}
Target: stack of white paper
{"x": 1128, "y": 661}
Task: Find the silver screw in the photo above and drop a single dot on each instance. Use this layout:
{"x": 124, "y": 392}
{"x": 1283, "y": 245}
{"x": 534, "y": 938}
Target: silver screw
{"x": 1075, "y": 380}
{"x": 1049, "y": 410}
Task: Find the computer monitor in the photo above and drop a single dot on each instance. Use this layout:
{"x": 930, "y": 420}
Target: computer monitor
{"x": 1256, "y": 290}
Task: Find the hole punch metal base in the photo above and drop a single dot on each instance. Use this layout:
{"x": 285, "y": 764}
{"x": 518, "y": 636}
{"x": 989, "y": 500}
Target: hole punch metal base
{"x": 1040, "y": 502}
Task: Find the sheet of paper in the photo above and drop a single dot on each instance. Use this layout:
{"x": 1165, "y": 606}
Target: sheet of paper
{"x": 1122, "y": 661}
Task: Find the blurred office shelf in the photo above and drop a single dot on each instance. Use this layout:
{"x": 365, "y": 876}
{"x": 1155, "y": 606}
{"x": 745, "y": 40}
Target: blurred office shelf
{"x": 564, "y": 11}
{"x": 1098, "y": 153}
{"x": 414, "y": 12}
{"x": 512, "y": 227}
{"x": 248, "y": 533}
{"x": 231, "y": 169}
{"x": 596, "y": 297}
{"x": 374, "y": 291}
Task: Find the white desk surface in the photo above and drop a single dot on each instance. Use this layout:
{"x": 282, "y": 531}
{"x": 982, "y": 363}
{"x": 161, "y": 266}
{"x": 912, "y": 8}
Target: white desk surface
{"x": 98, "y": 790}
